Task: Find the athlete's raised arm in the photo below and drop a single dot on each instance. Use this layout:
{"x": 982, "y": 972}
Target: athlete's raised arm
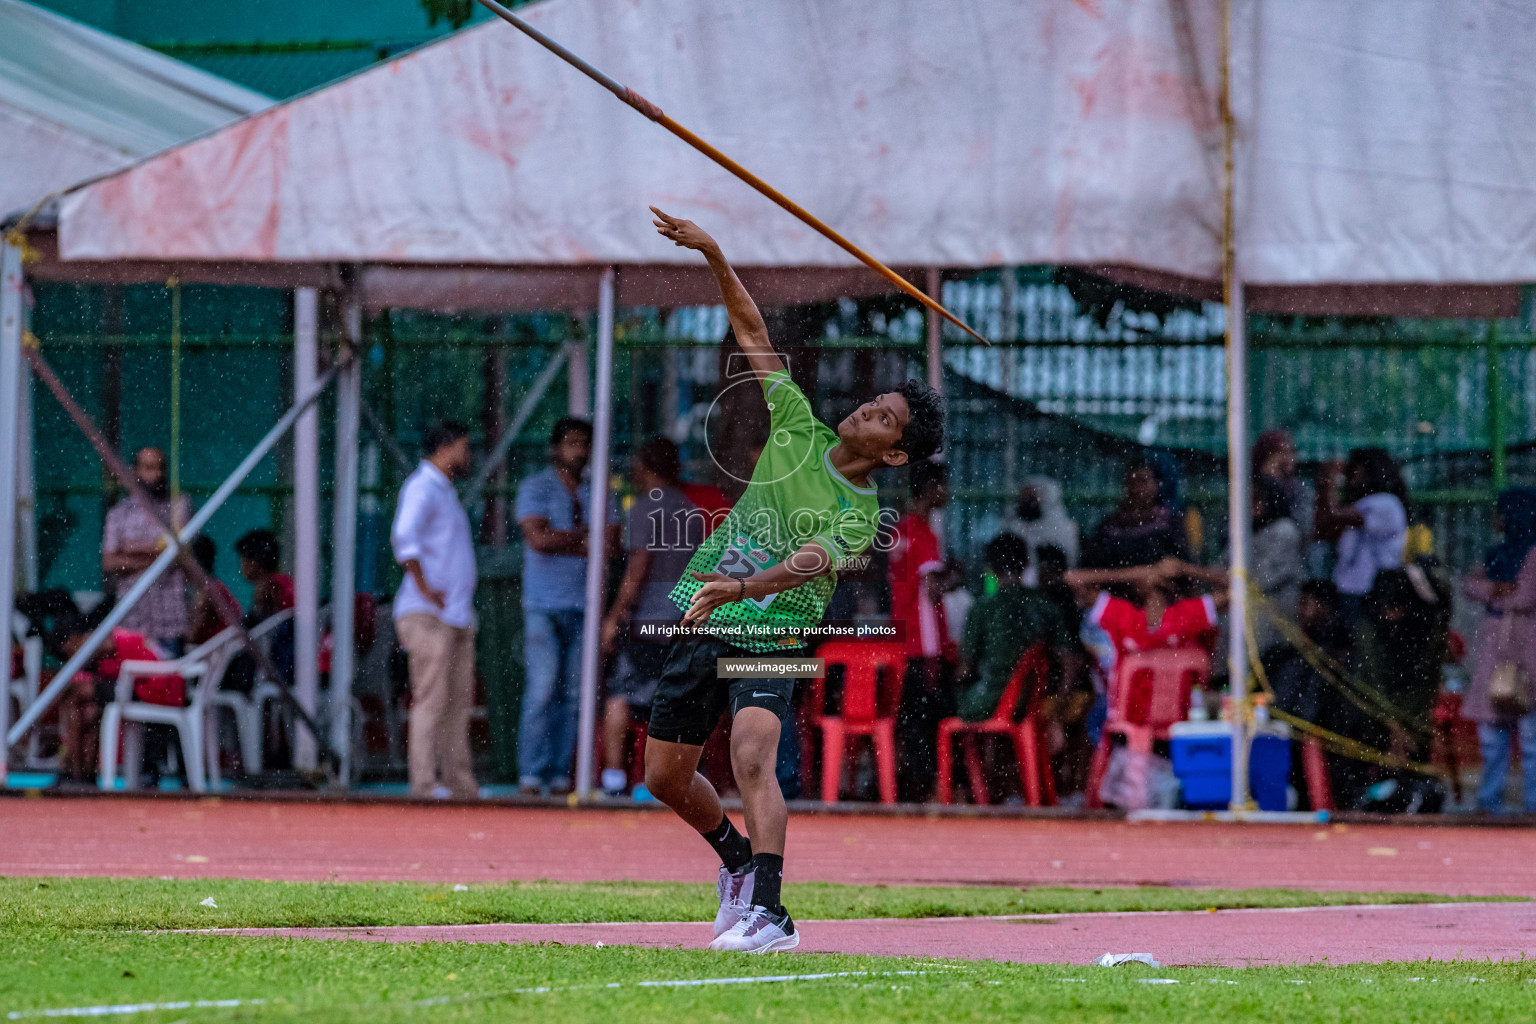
{"x": 746, "y": 321}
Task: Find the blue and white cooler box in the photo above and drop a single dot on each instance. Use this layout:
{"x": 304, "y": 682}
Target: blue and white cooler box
{"x": 1202, "y": 760}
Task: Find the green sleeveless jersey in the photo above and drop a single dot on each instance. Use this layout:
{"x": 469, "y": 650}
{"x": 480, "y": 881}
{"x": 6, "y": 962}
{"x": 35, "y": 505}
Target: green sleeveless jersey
{"x": 795, "y": 497}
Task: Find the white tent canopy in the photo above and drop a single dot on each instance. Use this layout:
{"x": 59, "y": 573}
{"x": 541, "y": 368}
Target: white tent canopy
{"x": 1378, "y": 143}
{"x": 76, "y": 103}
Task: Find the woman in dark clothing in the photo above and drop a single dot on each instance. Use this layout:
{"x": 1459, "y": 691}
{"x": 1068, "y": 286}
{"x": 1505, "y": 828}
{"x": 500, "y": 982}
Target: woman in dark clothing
{"x": 1141, "y": 530}
{"x": 1299, "y": 688}
{"x": 1398, "y": 650}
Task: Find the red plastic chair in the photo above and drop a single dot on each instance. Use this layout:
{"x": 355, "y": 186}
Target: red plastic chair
{"x": 1149, "y": 692}
{"x": 868, "y": 709}
{"x": 1025, "y": 689}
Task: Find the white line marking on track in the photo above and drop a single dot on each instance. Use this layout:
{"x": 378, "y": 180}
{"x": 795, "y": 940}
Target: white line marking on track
{"x": 670, "y": 983}
{"x": 118, "y": 1009}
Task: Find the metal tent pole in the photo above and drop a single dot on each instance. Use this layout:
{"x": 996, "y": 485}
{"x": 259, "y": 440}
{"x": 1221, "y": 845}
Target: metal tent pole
{"x": 1239, "y": 505}
{"x": 597, "y": 523}
{"x": 26, "y": 480}
{"x": 11, "y": 299}
{"x": 1239, "y": 512}
{"x": 344, "y": 542}
{"x": 306, "y": 523}
{"x": 164, "y": 560}
{"x": 935, "y": 334}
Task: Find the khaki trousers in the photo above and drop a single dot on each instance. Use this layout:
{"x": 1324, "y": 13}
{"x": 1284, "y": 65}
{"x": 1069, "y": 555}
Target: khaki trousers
{"x": 442, "y": 659}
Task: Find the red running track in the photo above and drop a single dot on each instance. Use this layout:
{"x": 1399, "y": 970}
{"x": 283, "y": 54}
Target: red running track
{"x": 214, "y": 838}
{"x": 1230, "y": 938}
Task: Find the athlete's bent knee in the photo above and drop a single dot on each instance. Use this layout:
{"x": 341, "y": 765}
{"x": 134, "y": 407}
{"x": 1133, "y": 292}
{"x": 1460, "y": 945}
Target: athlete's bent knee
{"x": 754, "y": 759}
{"x": 669, "y": 779}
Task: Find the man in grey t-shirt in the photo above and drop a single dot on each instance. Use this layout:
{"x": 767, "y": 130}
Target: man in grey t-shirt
{"x": 661, "y": 532}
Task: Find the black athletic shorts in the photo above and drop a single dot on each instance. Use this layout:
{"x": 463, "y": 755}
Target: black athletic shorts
{"x": 690, "y": 695}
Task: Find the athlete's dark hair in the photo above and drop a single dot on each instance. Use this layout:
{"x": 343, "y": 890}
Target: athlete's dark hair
{"x": 1008, "y": 554}
{"x": 442, "y": 434}
{"x": 660, "y": 456}
{"x": 924, "y": 433}
{"x": 927, "y": 474}
{"x": 569, "y": 425}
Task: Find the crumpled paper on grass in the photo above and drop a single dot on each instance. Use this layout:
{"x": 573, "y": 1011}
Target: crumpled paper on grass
{"x": 1116, "y": 959}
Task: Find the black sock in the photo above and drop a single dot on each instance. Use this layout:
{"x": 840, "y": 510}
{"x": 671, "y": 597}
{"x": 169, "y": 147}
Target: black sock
{"x": 767, "y": 876}
{"x": 733, "y": 848}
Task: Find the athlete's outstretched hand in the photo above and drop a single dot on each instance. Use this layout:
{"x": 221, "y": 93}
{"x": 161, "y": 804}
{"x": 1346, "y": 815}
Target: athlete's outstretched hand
{"x": 718, "y": 589}
{"x": 684, "y": 232}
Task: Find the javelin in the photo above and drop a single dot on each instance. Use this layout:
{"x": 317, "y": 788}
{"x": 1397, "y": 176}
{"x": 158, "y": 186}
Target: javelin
{"x": 654, "y": 112}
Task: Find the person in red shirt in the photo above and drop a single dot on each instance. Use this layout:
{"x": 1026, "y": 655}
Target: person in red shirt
{"x": 272, "y": 591}
{"x": 1157, "y": 618}
{"x": 207, "y": 611}
{"x": 917, "y": 599}
{"x": 709, "y": 498}
{"x": 95, "y": 686}
{"x": 916, "y": 563}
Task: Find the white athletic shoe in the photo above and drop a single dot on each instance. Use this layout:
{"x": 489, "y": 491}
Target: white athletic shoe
{"x": 760, "y": 930}
{"x": 735, "y": 892}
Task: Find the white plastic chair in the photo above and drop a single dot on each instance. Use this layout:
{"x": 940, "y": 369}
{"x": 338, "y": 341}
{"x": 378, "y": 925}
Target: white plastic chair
{"x": 267, "y": 691}
{"x": 201, "y": 669}
{"x": 248, "y": 708}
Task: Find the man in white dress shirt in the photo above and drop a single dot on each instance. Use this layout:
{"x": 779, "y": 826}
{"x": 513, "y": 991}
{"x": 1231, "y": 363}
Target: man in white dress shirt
{"x": 434, "y": 614}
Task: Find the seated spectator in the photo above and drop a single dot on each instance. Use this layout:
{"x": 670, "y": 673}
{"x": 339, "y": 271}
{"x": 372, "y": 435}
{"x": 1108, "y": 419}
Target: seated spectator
{"x": 1072, "y": 696}
{"x": 1370, "y": 526}
{"x": 1158, "y": 618}
{"x": 207, "y": 616}
{"x": 95, "y": 686}
{"x": 1505, "y": 589}
{"x": 1299, "y": 687}
{"x": 272, "y": 591}
{"x": 1295, "y": 672}
{"x": 1002, "y": 626}
{"x": 1051, "y": 565}
{"x": 1142, "y": 530}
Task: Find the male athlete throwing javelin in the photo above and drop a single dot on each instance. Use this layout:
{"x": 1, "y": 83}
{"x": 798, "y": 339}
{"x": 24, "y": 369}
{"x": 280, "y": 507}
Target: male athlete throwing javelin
{"x": 761, "y": 578}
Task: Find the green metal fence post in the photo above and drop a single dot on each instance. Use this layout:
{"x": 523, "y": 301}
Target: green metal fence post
{"x": 1496, "y": 447}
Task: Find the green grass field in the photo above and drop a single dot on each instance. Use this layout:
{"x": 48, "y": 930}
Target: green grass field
{"x": 84, "y": 943}
{"x": 144, "y": 903}
{"x": 379, "y": 982}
